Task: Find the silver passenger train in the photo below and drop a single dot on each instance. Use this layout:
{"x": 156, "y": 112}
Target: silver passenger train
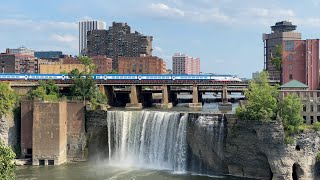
{"x": 27, "y": 77}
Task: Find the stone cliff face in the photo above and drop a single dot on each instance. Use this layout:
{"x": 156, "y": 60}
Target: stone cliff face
{"x": 10, "y": 131}
{"x": 256, "y": 149}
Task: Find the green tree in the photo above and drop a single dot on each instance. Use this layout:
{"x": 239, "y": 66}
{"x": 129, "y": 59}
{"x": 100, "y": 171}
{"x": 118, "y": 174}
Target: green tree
{"x": 47, "y": 91}
{"x": 261, "y": 101}
{"x": 83, "y": 83}
{"x": 7, "y": 166}
{"x": 8, "y": 98}
{"x": 276, "y": 59}
{"x": 289, "y": 109}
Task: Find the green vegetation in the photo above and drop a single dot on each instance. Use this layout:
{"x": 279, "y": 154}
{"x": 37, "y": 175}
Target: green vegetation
{"x": 7, "y": 166}
{"x": 47, "y": 91}
{"x": 318, "y": 157}
{"x": 84, "y": 84}
{"x": 289, "y": 109}
{"x": 8, "y": 98}
{"x": 262, "y": 104}
{"x": 276, "y": 59}
{"x": 261, "y": 100}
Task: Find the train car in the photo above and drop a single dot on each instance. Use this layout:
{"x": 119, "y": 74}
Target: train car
{"x": 12, "y": 77}
{"x": 115, "y": 76}
{"x": 154, "y": 77}
{"x": 190, "y": 77}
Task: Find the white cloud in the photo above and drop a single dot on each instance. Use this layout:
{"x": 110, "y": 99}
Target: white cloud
{"x": 165, "y": 10}
{"x": 63, "y": 38}
{"x": 158, "y": 49}
{"x": 38, "y": 25}
{"x": 205, "y": 15}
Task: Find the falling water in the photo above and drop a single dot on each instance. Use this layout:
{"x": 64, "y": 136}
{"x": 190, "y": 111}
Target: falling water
{"x": 148, "y": 139}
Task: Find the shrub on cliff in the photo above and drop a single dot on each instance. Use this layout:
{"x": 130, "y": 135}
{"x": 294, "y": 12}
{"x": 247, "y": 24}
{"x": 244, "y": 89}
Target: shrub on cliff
{"x": 47, "y": 91}
{"x": 261, "y": 101}
{"x": 7, "y": 166}
{"x": 8, "y": 98}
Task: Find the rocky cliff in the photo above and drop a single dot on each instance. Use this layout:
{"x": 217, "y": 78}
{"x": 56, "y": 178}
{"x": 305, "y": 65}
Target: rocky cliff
{"x": 256, "y": 149}
{"x": 10, "y": 131}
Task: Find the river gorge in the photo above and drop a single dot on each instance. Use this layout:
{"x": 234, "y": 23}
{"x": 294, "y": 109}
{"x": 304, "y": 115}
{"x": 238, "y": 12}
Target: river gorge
{"x": 180, "y": 145}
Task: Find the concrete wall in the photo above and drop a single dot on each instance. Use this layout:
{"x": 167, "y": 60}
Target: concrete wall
{"x": 26, "y": 128}
{"x": 66, "y": 123}
{"x": 49, "y": 134}
{"x": 76, "y": 131}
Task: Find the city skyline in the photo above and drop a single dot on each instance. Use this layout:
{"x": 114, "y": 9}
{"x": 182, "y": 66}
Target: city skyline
{"x": 206, "y": 29}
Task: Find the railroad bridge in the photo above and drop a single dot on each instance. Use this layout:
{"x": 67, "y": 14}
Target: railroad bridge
{"x": 138, "y": 93}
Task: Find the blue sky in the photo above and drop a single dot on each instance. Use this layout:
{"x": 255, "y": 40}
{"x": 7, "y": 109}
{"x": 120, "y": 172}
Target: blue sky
{"x": 225, "y": 34}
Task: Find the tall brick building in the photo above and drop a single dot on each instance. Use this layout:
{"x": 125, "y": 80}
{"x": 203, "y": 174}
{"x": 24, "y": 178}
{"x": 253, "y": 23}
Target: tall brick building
{"x": 141, "y": 65}
{"x": 18, "y": 63}
{"x": 184, "y": 64}
{"x": 118, "y": 41}
{"x": 281, "y": 31}
{"x": 300, "y": 61}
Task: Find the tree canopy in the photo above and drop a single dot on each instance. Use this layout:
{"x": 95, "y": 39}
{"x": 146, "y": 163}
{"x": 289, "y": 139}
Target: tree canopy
{"x": 83, "y": 83}
{"x": 263, "y": 104}
{"x": 261, "y": 101}
{"x": 8, "y": 98}
{"x": 7, "y": 166}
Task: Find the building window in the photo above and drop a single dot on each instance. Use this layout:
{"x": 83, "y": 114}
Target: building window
{"x": 290, "y": 57}
{"x": 290, "y": 67}
{"x": 289, "y": 45}
{"x": 290, "y": 76}
{"x": 318, "y": 108}
{"x": 304, "y": 108}
{"x": 311, "y": 119}
{"x": 311, "y": 108}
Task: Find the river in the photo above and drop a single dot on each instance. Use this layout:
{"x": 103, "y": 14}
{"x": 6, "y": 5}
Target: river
{"x": 89, "y": 171}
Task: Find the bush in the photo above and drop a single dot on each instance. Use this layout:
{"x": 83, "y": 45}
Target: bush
{"x": 288, "y": 140}
{"x": 8, "y": 98}
{"x": 316, "y": 126}
{"x": 7, "y": 166}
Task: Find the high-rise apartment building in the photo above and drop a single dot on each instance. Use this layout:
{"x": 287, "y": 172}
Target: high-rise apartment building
{"x": 281, "y": 31}
{"x": 184, "y": 64}
{"x": 20, "y": 50}
{"x": 141, "y": 65}
{"x": 84, "y": 27}
{"x": 300, "y": 61}
{"x": 118, "y": 41}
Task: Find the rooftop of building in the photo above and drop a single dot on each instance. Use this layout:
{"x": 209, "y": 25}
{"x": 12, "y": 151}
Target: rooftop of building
{"x": 294, "y": 84}
{"x": 283, "y": 26}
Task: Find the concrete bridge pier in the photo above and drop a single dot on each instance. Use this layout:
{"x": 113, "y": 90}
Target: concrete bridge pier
{"x": 225, "y": 106}
{"x": 135, "y": 98}
{"x": 166, "y": 97}
{"x": 195, "y": 99}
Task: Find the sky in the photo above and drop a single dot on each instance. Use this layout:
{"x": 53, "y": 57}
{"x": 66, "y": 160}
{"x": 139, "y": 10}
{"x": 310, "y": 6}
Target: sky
{"x": 225, "y": 34}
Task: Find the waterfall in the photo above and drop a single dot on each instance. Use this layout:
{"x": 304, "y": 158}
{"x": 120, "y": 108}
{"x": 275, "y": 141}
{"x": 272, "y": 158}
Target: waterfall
{"x": 147, "y": 139}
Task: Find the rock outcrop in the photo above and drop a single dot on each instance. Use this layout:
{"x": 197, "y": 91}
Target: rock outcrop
{"x": 9, "y": 131}
{"x": 256, "y": 149}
